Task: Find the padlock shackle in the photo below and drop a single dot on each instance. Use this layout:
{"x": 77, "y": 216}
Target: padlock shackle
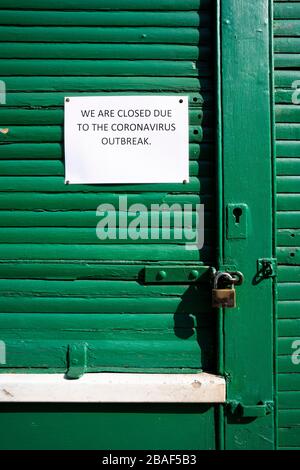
{"x": 222, "y": 274}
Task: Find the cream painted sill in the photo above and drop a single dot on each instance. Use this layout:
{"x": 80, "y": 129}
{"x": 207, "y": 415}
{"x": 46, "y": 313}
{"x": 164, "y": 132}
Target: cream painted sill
{"x": 112, "y": 388}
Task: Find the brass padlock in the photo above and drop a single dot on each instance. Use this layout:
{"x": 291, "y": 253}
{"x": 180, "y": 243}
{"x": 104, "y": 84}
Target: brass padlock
{"x": 224, "y": 297}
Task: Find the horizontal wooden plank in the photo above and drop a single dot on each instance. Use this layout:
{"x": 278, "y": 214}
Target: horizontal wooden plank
{"x": 288, "y": 184}
{"x": 287, "y": 27}
{"x": 36, "y": 151}
{"x": 101, "y": 51}
{"x": 288, "y": 255}
{"x": 288, "y": 346}
{"x": 288, "y": 237}
{"x": 287, "y": 113}
{"x": 91, "y": 334}
{"x": 66, "y": 67}
{"x": 104, "y": 18}
{"x": 288, "y": 417}
{"x": 285, "y": 10}
{"x": 71, "y": 270}
{"x": 284, "y": 96}
{"x": 139, "y": 34}
{"x": 57, "y": 168}
{"x": 286, "y": 45}
{"x": 289, "y": 327}
{"x": 85, "y": 201}
{"x": 288, "y": 382}
{"x": 289, "y": 436}
{"x": 288, "y": 166}
{"x": 285, "y": 78}
{"x": 62, "y": 235}
{"x": 134, "y": 322}
{"x": 288, "y": 219}
{"x": 288, "y": 309}
{"x": 140, "y": 253}
{"x": 288, "y": 149}
{"x": 94, "y": 289}
{"x": 287, "y": 131}
{"x": 289, "y": 291}
{"x": 106, "y": 5}
{"x": 98, "y": 84}
{"x": 44, "y": 99}
{"x": 289, "y": 400}
{"x": 289, "y": 274}
{"x": 286, "y": 366}
{"x": 283, "y": 61}
{"x": 288, "y": 202}
{"x": 87, "y": 306}
{"x": 56, "y": 184}
{"x": 76, "y": 307}
{"x": 32, "y": 134}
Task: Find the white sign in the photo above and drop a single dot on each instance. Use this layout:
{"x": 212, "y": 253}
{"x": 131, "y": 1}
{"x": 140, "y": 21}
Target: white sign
{"x": 126, "y": 139}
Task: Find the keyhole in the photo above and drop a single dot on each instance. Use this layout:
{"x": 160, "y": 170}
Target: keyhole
{"x": 237, "y": 212}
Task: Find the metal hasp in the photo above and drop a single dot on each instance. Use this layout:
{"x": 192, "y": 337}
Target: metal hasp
{"x": 250, "y": 411}
{"x": 267, "y": 267}
{"x": 178, "y": 274}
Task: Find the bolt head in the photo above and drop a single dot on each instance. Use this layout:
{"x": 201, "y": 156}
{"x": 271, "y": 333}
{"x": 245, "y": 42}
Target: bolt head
{"x": 194, "y": 274}
{"x": 161, "y": 275}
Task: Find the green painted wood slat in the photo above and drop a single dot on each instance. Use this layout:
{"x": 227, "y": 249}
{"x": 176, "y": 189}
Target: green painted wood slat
{"x": 81, "y": 34}
{"x": 62, "y": 67}
{"x": 104, "y": 18}
{"x": 106, "y": 5}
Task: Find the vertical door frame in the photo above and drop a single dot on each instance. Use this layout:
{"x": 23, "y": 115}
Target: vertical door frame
{"x": 246, "y": 177}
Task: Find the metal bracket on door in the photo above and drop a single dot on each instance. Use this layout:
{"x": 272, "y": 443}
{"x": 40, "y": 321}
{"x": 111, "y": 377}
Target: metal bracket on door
{"x": 240, "y": 410}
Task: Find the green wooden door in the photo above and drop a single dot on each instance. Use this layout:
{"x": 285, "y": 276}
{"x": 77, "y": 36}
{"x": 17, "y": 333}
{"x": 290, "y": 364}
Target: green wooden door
{"x": 248, "y": 235}
{"x": 73, "y": 304}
